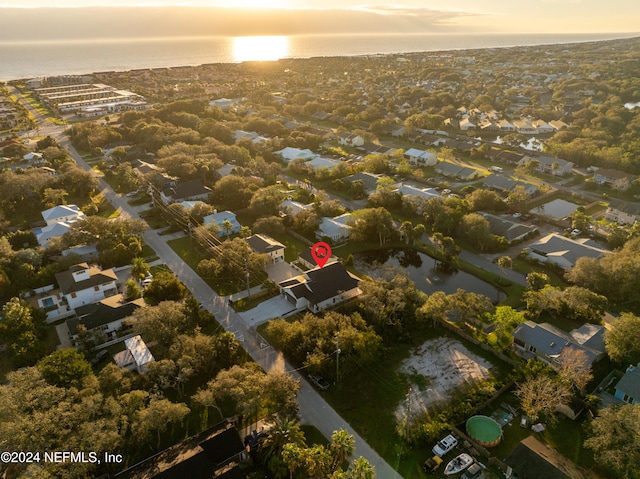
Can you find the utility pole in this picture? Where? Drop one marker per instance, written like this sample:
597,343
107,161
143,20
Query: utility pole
246,268
337,357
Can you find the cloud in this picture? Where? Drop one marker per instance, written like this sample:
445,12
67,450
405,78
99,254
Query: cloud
145,22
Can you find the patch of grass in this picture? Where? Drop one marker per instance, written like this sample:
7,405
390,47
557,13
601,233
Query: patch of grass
148,252
567,437
293,246
524,267
159,268
140,199
105,209
154,219
314,436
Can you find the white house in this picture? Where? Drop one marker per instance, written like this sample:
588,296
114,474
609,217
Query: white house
542,126
466,125
263,244
62,213
136,356
320,288
290,207
426,193
524,126
350,139
289,154
83,284
557,249
222,103
317,163
622,212
420,157
506,125
219,218
46,234
338,228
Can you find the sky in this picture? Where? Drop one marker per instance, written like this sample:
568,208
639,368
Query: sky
287,17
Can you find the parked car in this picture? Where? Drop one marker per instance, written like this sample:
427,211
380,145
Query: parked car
446,192
432,464
445,445
473,472
321,383
575,233
99,357
517,215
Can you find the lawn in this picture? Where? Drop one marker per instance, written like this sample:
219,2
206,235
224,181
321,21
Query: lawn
313,435
293,246
154,219
524,267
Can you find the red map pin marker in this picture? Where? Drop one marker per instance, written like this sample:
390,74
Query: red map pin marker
321,253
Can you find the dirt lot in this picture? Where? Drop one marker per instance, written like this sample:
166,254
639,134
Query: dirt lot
446,365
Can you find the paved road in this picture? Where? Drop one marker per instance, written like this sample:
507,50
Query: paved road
313,408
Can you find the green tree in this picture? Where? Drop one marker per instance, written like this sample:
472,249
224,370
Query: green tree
65,368
139,268
621,339
371,224
614,439
283,432
536,281
23,331
164,287
156,417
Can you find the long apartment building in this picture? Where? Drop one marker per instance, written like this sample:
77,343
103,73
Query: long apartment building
70,98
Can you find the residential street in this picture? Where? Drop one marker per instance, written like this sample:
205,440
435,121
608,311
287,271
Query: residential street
313,408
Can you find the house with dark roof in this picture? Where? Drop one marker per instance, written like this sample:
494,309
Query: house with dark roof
369,180
546,342
454,170
557,249
320,288
628,387
503,183
306,259
533,459
623,212
616,179
106,315
186,190
510,230
213,453
263,244
546,164
83,284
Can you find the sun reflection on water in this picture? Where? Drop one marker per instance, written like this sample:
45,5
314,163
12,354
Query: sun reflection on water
263,48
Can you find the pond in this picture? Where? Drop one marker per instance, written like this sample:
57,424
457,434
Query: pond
422,270
557,208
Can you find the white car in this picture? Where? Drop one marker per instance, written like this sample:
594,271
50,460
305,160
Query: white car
445,445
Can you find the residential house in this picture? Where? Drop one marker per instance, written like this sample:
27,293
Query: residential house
338,228
36,158
454,170
488,125
214,453
290,207
263,244
350,139
219,218
628,387
83,284
502,183
306,259
46,234
369,180
252,135
318,163
61,214
558,125
616,179
510,230
223,103
135,357
289,154
623,212
320,288
542,126
186,190
426,193
533,459
525,127
546,165
506,126
420,157
546,342
562,251
375,149
106,315
466,124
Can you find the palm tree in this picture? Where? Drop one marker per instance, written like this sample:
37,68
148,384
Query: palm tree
284,431
139,268
227,226
342,446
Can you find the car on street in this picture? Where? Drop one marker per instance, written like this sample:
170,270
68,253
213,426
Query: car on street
517,215
321,383
445,445
432,464
575,233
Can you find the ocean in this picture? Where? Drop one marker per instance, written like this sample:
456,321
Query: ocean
28,59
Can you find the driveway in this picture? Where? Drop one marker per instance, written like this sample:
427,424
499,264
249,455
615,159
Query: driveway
272,308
